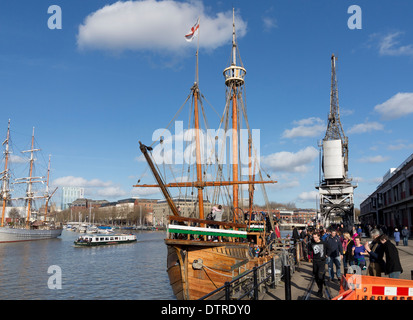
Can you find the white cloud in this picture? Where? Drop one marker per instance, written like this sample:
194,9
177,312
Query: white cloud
144,191
71,181
281,185
365,127
308,196
389,45
17,159
111,192
376,180
269,23
346,112
310,127
374,159
400,146
289,161
397,106
93,187
155,26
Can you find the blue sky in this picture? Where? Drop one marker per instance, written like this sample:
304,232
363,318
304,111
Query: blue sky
112,75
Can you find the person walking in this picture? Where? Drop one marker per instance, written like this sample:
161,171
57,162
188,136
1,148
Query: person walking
359,251
396,235
354,232
319,251
334,255
393,266
376,253
348,258
405,234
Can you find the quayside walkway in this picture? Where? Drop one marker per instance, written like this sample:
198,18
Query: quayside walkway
301,279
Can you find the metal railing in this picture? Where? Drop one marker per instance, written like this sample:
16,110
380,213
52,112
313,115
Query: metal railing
248,284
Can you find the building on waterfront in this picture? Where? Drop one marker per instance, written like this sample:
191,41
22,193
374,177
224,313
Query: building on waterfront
70,194
84,203
304,216
391,204
146,204
187,208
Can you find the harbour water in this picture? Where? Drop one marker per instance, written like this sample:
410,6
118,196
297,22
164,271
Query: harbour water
135,271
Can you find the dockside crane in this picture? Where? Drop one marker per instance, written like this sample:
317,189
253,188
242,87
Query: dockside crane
335,187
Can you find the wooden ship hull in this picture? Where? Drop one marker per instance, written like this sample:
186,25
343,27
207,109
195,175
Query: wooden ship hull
196,270
202,255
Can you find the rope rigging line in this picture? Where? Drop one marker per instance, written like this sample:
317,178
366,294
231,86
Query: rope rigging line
176,114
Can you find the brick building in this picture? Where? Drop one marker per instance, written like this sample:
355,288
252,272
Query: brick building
391,204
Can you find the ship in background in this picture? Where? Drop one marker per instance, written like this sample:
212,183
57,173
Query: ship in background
203,254
16,229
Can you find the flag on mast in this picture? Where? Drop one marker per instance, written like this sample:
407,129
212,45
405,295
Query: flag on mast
193,32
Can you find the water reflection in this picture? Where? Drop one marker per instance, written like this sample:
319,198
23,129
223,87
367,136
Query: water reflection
127,271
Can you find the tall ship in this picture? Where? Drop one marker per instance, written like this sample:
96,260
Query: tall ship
17,223
203,254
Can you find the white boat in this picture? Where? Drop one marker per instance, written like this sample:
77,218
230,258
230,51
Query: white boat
105,229
16,235
92,229
104,239
83,228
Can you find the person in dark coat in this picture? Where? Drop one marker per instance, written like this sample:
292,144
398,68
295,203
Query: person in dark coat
296,235
319,251
334,255
393,266
405,234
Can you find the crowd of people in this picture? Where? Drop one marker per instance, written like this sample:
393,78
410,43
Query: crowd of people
337,246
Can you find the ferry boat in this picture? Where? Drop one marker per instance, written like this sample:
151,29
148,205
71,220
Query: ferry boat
104,239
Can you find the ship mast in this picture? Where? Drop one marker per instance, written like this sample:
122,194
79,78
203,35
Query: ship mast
30,180
198,151
234,78
48,195
29,184
5,185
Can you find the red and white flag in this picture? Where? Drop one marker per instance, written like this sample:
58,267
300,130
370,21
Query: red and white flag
193,32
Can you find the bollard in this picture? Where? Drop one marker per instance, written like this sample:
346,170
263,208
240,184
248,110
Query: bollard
287,282
255,283
273,273
227,295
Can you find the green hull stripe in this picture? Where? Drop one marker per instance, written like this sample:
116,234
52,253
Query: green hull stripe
207,233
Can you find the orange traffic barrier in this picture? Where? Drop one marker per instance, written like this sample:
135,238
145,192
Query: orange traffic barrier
350,294
358,287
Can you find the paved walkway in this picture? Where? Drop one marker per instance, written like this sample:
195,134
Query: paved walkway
300,280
